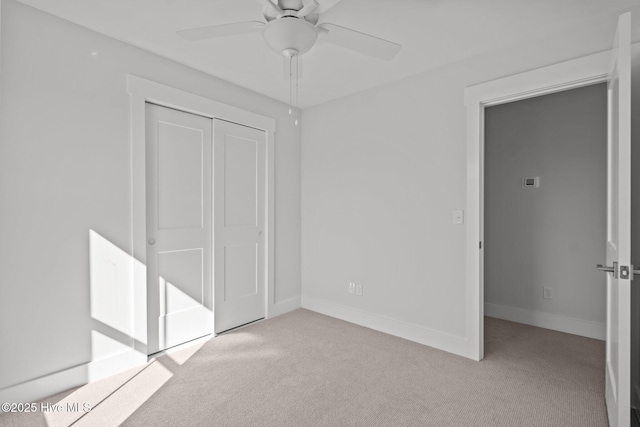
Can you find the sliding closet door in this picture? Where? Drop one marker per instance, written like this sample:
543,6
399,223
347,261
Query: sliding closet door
239,165
179,226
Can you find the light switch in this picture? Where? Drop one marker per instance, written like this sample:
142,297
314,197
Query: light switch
458,217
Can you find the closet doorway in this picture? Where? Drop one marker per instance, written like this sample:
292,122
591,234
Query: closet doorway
205,224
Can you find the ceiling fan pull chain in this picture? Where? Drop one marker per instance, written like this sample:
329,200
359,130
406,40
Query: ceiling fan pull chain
290,84
297,89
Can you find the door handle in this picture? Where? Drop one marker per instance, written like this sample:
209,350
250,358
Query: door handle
613,269
606,268
625,272
152,242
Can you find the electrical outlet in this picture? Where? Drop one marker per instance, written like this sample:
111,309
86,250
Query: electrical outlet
359,290
352,287
547,293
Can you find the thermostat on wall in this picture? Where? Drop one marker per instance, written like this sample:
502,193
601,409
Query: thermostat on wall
531,182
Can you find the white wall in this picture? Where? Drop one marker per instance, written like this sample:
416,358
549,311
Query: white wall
382,171
65,170
549,236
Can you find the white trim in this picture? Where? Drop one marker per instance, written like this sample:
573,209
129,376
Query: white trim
102,368
45,386
270,246
286,306
541,319
50,384
143,91
168,96
566,75
409,331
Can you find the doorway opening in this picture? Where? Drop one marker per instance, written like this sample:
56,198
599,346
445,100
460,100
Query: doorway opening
545,196
544,217
613,67
555,78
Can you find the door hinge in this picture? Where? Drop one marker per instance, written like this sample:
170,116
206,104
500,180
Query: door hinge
480,245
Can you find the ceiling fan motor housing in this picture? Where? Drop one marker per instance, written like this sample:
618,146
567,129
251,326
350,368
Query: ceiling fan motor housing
290,36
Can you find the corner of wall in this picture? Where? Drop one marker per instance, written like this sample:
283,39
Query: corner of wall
409,331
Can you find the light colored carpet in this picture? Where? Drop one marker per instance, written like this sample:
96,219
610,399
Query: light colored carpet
306,369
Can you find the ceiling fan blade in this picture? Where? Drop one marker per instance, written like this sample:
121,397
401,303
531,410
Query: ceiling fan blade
221,30
309,7
273,6
326,5
359,42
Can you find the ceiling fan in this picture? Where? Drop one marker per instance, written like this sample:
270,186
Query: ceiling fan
292,29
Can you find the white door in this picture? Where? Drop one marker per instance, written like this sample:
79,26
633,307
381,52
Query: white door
179,255
618,351
239,180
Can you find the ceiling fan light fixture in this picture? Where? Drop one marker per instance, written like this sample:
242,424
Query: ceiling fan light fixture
290,35
290,52
291,31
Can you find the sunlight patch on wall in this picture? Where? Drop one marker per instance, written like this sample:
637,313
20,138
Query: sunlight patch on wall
110,275
103,346
115,343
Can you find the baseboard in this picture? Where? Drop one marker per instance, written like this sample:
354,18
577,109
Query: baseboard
285,306
48,385
115,364
409,331
540,319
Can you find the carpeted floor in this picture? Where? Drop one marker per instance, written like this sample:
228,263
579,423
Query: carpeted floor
306,369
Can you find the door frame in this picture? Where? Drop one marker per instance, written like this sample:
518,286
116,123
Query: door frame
144,91
567,75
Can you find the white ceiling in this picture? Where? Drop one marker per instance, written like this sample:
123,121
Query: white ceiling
433,33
